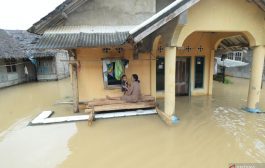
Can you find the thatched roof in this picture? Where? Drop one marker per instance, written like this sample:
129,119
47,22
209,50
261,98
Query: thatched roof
9,48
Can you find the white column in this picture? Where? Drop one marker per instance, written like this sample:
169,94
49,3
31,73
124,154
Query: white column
170,81
256,79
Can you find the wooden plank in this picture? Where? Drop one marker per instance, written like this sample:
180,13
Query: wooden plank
100,102
166,118
45,117
125,106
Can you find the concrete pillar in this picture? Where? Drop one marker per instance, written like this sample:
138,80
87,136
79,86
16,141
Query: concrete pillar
256,79
170,81
153,76
211,72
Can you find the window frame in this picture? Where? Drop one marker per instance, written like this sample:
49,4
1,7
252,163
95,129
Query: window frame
11,65
106,84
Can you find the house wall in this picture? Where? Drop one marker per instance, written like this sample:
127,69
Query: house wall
90,74
9,79
46,69
194,41
225,16
62,67
112,12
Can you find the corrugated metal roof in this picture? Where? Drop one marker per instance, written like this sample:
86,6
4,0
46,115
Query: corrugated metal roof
84,36
233,43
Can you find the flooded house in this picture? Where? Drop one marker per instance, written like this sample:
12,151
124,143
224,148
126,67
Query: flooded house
170,44
49,63
15,68
20,62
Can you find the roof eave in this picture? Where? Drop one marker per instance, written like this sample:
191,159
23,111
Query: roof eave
56,17
161,18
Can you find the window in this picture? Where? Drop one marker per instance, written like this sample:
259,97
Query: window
11,65
236,56
199,72
230,56
113,69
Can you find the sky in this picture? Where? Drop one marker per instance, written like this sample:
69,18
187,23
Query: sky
22,14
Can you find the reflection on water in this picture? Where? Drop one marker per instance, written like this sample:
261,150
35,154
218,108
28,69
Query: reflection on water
248,131
41,146
213,132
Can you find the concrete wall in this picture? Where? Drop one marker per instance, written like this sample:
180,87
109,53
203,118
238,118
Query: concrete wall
61,66
9,79
112,12
90,75
160,4
226,16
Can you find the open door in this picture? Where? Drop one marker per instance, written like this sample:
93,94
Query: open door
182,76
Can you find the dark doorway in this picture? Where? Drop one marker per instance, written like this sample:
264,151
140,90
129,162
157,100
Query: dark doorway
182,75
160,74
199,71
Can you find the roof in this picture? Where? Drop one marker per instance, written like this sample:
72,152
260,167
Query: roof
233,43
161,18
9,48
24,39
26,42
56,17
67,37
260,3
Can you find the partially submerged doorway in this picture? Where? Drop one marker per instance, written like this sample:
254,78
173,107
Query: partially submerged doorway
182,75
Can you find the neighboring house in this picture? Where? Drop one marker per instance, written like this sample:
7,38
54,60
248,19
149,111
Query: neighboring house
174,41
21,62
236,48
242,71
50,64
15,68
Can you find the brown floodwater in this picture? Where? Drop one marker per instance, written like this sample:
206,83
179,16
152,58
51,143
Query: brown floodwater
213,131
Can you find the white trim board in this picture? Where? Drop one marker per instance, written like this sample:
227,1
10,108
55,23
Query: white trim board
45,116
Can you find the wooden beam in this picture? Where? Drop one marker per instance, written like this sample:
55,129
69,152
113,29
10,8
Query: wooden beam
166,118
100,102
74,74
125,106
71,61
